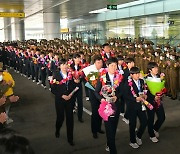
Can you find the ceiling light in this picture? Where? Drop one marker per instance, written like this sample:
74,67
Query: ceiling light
124,5
99,11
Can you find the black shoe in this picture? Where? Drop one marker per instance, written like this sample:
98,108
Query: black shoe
95,135
71,143
57,134
173,98
81,120
101,132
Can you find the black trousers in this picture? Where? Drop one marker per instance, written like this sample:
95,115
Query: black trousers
43,76
86,89
36,67
79,99
27,69
49,73
133,114
32,70
96,120
111,127
122,105
126,115
21,66
160,119
65,108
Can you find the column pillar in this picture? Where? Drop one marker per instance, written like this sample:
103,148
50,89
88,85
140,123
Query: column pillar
7,29
19,29
137,28
51,25
102,33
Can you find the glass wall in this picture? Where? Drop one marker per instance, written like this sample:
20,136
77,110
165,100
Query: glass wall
158,20
162,28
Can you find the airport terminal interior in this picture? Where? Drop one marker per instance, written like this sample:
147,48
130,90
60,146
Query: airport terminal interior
49,104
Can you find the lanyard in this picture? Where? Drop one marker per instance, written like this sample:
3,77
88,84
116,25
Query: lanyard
63,78
139,86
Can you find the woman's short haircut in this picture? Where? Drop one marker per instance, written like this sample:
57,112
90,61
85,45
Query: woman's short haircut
129,60
134,70
119,57
151,65
111,60
62,61
76,55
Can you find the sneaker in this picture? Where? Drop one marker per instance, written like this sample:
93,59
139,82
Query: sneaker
107,148
9,120
29,78
33,80
87,98
38,83
156,134
139,141
154,139
122,115
74,111
134,145
44,87
49,89
125,120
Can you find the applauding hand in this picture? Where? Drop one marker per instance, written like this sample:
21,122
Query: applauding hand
3,117
2,100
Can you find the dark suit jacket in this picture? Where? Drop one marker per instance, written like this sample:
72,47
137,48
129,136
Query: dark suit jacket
126,74
1,126
53,66
130,99
63,89
118,91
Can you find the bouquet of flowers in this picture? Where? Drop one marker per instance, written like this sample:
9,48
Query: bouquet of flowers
77,74
157,87
105,110
92,78
92,75
107,107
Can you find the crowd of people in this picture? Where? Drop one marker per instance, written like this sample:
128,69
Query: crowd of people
123,64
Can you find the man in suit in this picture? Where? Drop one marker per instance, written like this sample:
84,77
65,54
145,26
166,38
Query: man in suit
111,124
132,87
